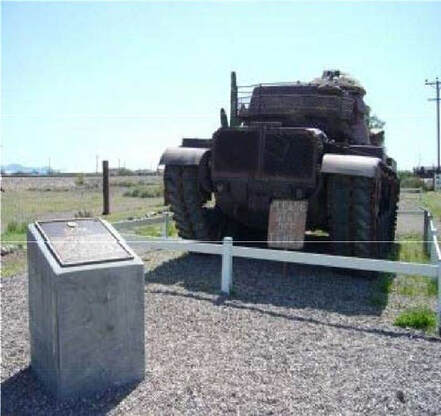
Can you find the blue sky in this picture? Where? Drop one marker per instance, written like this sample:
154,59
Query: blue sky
124,80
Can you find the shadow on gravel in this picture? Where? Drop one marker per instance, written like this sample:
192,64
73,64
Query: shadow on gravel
224,300
265,282
22,394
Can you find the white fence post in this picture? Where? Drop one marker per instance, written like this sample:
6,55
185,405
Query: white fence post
165,226
426,233
433,254
227,265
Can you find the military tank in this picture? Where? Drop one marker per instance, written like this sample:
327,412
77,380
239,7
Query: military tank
293,157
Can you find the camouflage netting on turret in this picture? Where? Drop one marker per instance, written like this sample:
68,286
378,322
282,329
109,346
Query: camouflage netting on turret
333,103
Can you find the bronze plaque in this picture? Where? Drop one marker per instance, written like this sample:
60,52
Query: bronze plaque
287,221
82,241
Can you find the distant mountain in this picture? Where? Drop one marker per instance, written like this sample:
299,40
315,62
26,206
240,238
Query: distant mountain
16,168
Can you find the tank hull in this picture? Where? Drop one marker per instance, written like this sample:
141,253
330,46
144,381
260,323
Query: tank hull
251,177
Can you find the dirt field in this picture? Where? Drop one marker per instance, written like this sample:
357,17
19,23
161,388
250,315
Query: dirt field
15,183
28,199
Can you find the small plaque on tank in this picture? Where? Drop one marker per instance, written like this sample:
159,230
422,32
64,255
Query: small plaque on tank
286,226
82,241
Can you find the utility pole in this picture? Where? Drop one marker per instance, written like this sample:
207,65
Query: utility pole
436,84
96,168
106,198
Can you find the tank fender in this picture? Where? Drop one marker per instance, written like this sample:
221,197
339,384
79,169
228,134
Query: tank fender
182,156
350,165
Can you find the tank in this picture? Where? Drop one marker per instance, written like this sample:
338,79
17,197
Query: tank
293,157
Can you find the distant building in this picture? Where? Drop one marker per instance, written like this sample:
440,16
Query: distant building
425,171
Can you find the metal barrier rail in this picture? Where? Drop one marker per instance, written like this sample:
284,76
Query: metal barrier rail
411,190
418,191
228,251
126,225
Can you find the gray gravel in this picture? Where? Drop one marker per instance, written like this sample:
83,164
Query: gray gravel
308,341
410,223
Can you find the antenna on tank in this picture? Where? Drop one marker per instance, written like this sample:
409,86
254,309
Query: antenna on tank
233,101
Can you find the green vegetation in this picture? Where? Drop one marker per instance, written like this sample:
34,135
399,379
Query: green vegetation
413,286
432,201
15,227
411,249
126,184
145,192
382,289
15,233
416,290
27,206
156,230
79,180
409,180
150,230
23,206
418,318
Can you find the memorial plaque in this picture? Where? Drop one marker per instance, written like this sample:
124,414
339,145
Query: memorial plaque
86,307
287,221
82,241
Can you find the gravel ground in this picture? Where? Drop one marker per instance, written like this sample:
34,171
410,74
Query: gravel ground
308,341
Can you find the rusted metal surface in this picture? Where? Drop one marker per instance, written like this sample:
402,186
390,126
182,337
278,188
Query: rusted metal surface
287,220
182,156
82,241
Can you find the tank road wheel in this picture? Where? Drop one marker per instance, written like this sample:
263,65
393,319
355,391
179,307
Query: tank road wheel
182,193
353,215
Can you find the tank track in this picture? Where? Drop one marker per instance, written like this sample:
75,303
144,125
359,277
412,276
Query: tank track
182,193
362,214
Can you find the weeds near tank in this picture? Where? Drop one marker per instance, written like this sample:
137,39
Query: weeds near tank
156,230
382,289
414,286
432,201
149,231
413,290
411,250
418,318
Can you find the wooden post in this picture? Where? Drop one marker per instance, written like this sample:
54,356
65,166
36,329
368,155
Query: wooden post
106,200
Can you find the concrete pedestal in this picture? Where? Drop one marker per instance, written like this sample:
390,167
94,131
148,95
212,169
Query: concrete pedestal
86,320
